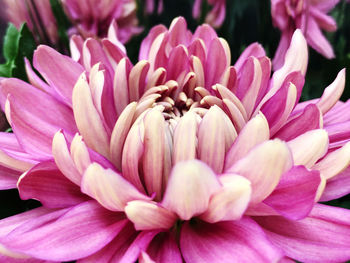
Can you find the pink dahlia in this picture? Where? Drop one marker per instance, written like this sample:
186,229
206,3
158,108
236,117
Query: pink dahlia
92,18
37,14
217,14
308,15
179,158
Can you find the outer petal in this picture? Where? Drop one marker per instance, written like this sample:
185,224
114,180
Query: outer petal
309,147
232,241
294,196
65,237
61,72
263,166
337,187
321,237
190,186
109,188
8,178
164,249
47,184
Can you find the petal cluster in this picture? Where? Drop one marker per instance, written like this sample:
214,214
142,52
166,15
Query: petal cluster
309,16
180,157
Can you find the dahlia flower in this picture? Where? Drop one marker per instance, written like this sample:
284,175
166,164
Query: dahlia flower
179,158
308,15
93,17
217,14
37,14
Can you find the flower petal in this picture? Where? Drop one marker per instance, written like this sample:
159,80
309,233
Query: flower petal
230,202
309,147
271,159
87,118
294,196
44,182
189,188
65,236
334,162
61,72
321,237
149,215
232,241
254,132
109,188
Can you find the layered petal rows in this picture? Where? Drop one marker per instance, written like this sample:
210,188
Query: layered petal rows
181,157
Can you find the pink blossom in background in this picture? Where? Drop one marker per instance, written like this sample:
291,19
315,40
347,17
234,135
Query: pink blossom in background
93,17
308,15
89,18
150,6
217,14
37,14
181,157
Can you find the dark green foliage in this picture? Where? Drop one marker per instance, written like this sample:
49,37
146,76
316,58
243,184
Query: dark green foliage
17,46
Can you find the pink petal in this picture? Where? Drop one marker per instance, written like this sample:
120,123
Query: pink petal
334,163
65,236
138,245
254,50
61,72
317,40
332,93
309,119
254,132
321,237
295,60
115,250
185,138
119,133
164,248
231,201
153,157
189,188
63,158
137,78
232,241
44,182
294,196
211,139
8,178
88,119
337,187
271,159
309,147
109,188
148,41
149,215
278,108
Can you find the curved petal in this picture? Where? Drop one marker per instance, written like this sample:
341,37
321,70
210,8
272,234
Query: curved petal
77,232
230,202
149,215
109,188
61,72
189,188
294,196
271,159
232,241
44,182
321,237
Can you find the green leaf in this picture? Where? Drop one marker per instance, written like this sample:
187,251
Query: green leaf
17,46
11,42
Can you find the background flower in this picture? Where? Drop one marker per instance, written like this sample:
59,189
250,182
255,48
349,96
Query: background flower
308,15
180,156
